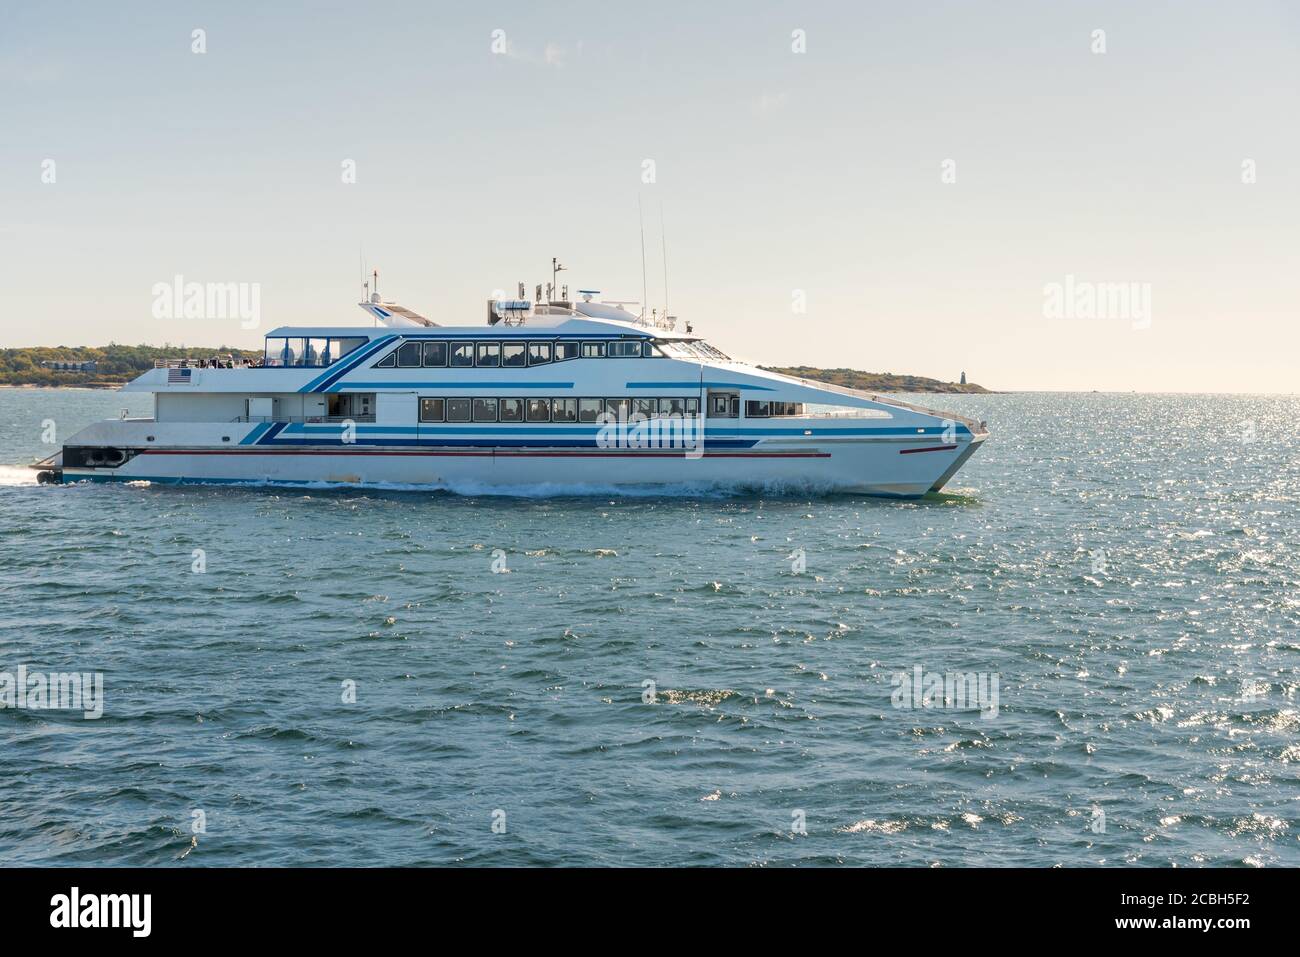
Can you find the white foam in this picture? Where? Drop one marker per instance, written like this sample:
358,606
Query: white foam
17,475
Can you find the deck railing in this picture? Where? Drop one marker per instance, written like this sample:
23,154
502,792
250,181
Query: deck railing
307,419
225,362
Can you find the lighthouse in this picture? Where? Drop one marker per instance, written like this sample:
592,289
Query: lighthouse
963,378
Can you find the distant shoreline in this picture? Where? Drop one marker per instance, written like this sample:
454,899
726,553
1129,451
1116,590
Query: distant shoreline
115,365
880,381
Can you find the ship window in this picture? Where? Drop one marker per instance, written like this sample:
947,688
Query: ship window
589,409
692,406
672,406
387,362
485,410
564,410
489,353
458,410
724,406
566,350
315,351
539,353
431,410
512,410
646,407
759,410
620,408
291,352
593,350
539,410
648,350
408,355
512,354
338,348
435,353
462,354
624,350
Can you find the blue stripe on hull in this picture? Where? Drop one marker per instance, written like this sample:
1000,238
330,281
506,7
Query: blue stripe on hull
482,443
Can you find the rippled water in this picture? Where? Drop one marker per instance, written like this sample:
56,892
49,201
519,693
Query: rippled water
1125,566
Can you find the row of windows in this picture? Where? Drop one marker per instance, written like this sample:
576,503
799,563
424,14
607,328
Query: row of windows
551,410
765,408
727,406
309,350
463,355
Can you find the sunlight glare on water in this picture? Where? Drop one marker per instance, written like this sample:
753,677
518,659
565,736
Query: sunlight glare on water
653,679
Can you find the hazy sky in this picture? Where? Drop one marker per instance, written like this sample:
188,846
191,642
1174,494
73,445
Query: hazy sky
782,175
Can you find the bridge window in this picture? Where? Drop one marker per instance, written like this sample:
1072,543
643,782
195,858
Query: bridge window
485,410
311,351
314,352
512,354
458,410
539,410
435,354
589,409
408,355
539,353
512,410
593,350
341,347
564,410
431,410
566,350
489,353
624,350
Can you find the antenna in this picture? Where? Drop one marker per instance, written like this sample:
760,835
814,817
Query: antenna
664,239
556,269
641,219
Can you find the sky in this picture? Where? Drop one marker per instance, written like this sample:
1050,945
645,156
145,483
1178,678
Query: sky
924,188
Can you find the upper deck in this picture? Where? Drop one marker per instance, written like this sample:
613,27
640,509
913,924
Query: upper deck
552,349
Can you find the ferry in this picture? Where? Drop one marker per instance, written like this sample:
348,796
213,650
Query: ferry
550,391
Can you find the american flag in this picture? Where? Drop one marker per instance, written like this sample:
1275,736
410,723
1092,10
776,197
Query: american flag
181,376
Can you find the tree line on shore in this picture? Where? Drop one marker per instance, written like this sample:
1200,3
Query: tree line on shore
114,363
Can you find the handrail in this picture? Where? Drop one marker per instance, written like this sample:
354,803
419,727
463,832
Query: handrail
186,363
306,419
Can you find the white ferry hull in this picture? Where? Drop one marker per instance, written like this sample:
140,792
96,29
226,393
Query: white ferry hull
890,468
